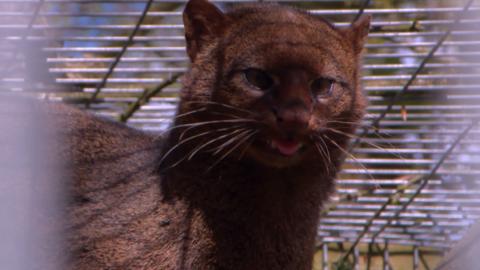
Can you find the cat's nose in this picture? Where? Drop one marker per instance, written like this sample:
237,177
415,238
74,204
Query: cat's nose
291,119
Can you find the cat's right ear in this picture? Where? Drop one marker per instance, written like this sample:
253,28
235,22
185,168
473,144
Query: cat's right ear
358,32
203,23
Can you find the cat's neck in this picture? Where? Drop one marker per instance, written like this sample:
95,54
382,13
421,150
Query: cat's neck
253,213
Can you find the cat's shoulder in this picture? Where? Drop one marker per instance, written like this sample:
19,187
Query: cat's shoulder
70,118
89,135
77,133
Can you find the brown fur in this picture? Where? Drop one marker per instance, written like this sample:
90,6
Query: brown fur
141,203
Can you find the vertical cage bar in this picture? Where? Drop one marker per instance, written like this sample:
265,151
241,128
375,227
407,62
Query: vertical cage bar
324,256
369,256
416,258
24,36
32,19
424,261
386,257
361,10
356,259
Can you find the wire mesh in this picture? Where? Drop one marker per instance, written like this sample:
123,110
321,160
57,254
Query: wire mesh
413,177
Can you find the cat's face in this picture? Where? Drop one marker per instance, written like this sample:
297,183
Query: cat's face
291,76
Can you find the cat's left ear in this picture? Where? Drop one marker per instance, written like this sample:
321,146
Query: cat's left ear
358,32
203,23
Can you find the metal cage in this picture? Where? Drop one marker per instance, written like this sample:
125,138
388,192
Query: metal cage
411,185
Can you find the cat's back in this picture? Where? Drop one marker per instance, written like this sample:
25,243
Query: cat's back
92,138
117,217
80,134
113,214
85,143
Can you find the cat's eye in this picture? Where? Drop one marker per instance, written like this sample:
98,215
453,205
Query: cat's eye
258,78
322,87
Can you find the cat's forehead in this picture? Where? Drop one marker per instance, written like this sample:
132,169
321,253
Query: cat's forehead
272,26
272,35
249,14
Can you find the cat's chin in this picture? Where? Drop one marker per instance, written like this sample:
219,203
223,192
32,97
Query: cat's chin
277,154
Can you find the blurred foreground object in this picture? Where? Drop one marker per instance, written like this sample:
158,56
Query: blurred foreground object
465,254
30,187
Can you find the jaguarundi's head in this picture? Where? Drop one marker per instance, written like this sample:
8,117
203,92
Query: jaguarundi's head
284,82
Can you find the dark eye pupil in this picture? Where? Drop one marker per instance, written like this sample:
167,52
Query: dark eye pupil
258,78
322,86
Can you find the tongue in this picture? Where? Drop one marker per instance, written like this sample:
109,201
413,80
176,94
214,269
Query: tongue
287,148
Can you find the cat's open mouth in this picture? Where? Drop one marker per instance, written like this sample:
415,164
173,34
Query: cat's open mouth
285,147
278,152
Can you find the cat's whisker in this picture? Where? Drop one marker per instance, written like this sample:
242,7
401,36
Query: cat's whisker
367,142
349,135
203,109
174,127
375,133
186,131
351,156
240,142
323,156
190,155
177,117
244,120
360,125
227,114
383,138
181,142
364,126
219,148
196,124
357,124
221,104
326,148
199,124
194,112
247,145
196,150
189,113
327,152
191,126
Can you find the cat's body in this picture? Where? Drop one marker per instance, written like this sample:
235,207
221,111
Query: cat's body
239,181
125,216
